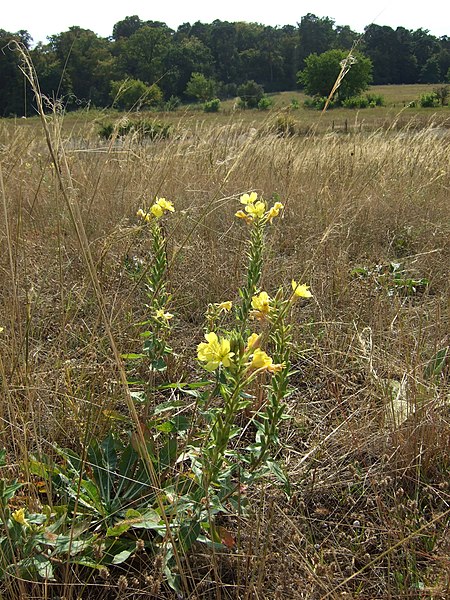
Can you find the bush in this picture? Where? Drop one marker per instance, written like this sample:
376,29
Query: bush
212,106
295,104
442,92
356,102
172,104
143,128
318,103
250,93
284,125
134,94
375,99
201,87
265,103
429,100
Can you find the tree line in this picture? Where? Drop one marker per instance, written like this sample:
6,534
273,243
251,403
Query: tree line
83,68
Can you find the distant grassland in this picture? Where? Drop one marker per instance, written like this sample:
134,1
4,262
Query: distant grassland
396,113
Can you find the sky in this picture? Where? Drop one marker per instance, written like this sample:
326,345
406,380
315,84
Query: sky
42,19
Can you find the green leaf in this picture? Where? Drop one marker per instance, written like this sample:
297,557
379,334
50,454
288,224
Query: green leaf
118,529
121,557
168,453
437,363
167,406
132,356
181,423
139,396
276,470
9,491
158,365
188,534
165,427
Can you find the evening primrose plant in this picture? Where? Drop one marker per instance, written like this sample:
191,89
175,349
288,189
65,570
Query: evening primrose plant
215,434
249,381
158,322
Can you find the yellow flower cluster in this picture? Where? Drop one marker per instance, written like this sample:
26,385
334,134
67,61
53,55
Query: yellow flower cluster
214,352
157,209
256,209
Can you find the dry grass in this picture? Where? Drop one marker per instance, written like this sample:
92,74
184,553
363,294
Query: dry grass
369,517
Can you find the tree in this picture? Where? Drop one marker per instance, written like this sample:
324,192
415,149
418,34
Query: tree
143,54
126,27
316,35
186,55
79,53
322,70
201,87
431,72
15,93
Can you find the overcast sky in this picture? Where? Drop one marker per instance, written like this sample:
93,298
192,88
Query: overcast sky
41,19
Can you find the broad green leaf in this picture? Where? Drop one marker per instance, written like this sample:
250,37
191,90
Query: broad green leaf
118,529
121,557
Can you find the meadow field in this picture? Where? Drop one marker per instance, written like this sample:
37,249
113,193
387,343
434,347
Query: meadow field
102,313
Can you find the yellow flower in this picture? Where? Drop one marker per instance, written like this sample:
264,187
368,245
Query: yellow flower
301,291
261,305
163,316
242,215
165,204
224,306
156,210
253,342
248,198
274,211
261,360
19,517
257,209
215,352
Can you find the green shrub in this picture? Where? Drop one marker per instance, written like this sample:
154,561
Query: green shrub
143,128
356,102
375,99
265,103
172,104
429,100
318,103
212,105
250,93
201,87
295,104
